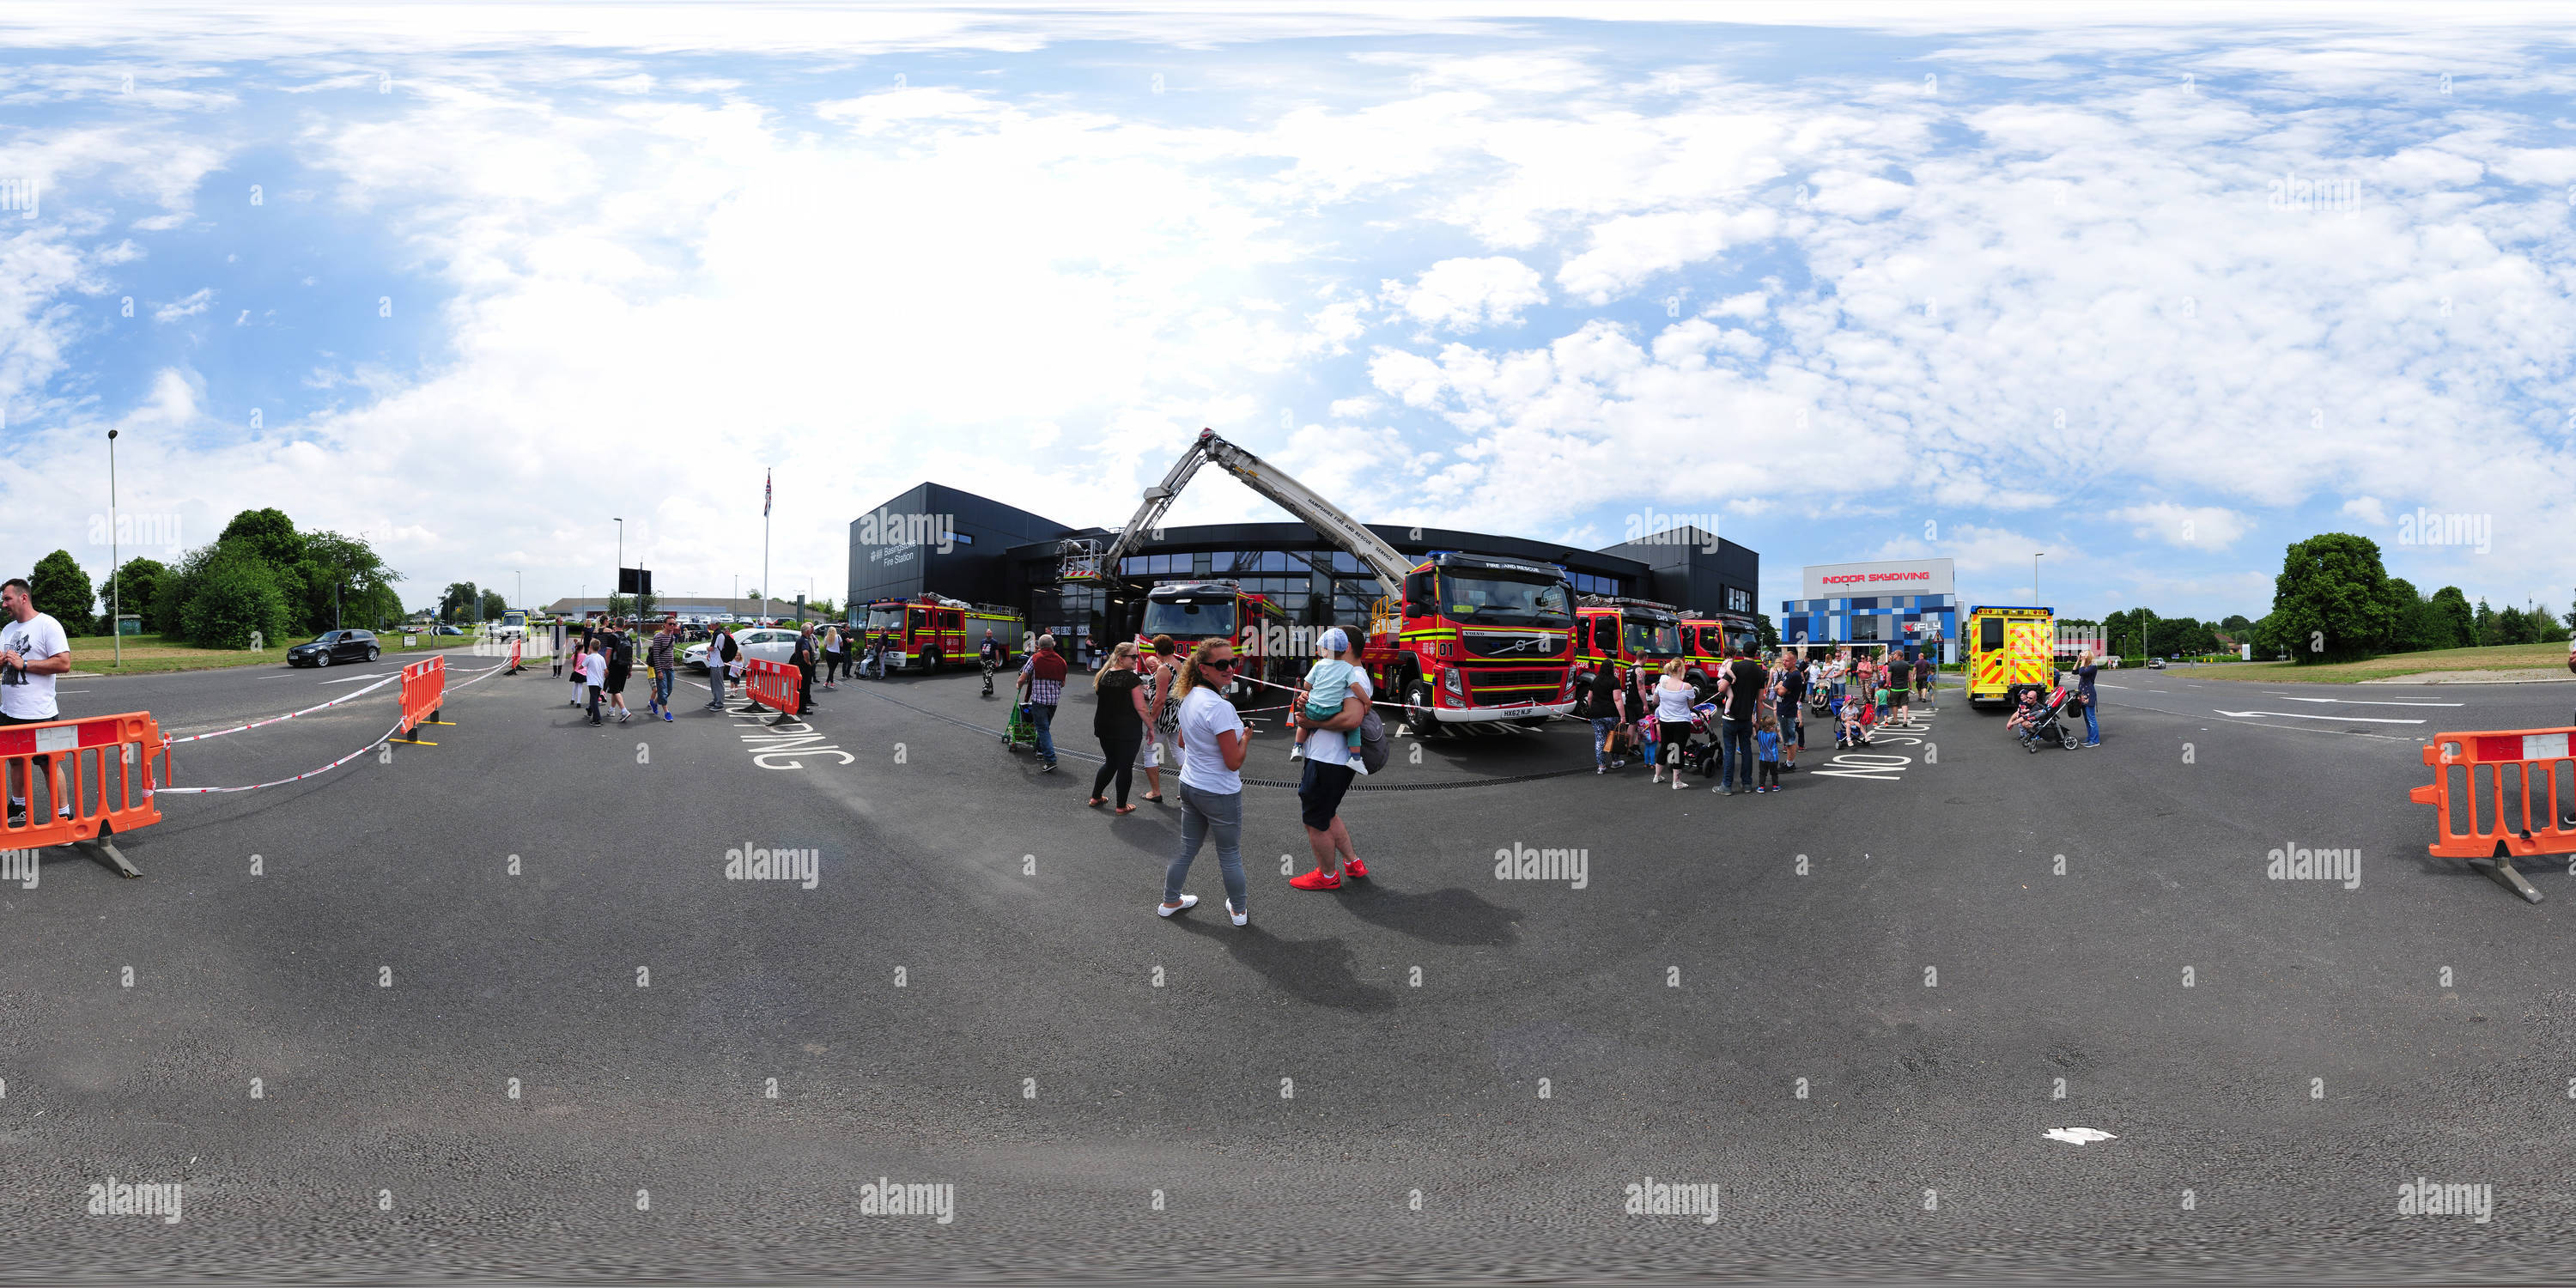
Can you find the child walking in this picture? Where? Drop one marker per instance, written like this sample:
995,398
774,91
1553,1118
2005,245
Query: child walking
1766,740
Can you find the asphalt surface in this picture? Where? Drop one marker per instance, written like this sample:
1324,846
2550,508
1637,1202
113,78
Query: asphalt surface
967,997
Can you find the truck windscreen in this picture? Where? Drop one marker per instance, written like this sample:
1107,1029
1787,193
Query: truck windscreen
1187,619
885,619
1505,600
1650,637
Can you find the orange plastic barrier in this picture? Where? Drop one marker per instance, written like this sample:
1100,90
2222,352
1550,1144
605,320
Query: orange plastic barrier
515,644
424,684
100,767
2474,818
773,685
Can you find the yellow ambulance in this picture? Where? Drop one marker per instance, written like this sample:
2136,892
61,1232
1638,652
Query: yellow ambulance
2009,648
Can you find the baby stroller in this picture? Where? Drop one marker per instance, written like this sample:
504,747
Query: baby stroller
1022,728
1700,751
2056,721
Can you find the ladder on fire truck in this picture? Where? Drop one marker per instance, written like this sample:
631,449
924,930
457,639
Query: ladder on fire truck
1088,560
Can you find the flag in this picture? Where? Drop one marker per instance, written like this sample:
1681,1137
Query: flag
767,488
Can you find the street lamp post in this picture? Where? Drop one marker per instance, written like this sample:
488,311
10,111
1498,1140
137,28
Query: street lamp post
2034,579
115,599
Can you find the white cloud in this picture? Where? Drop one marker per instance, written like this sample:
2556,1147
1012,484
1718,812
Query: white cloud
2367,509
189,305
1466,294
2204,527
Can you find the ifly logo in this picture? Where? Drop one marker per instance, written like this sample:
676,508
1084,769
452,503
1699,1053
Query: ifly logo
18,195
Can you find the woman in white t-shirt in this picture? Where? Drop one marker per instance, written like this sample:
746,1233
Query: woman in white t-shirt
1212,750
1673,697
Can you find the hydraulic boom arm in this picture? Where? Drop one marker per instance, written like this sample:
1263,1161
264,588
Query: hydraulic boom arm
1269,480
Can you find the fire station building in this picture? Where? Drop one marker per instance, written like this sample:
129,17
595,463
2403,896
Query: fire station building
944,540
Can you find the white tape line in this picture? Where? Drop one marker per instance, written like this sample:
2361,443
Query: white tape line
200,791
255,724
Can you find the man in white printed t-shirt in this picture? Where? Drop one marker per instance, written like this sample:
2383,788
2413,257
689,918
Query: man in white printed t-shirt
33,650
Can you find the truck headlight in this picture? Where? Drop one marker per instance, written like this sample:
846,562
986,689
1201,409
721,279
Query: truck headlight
1449,681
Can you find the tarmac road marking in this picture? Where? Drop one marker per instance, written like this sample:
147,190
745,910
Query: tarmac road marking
2295,715
348,679
2361,702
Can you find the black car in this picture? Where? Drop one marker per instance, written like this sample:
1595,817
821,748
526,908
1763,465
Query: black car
335,646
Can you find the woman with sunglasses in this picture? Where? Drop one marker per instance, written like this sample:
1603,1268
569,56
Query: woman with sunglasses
1212,750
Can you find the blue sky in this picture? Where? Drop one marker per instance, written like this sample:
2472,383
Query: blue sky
1850,282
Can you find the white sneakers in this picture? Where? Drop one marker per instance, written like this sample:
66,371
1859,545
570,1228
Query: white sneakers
1297,751
1240,916
1188,901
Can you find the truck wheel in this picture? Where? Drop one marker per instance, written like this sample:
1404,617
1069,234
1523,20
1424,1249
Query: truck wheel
929,661
1417,710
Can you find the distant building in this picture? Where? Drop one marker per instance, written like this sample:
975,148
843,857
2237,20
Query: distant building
1906,605
711,608
941,540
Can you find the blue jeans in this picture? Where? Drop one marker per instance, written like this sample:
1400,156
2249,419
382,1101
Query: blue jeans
2092,726
1735,749
1201,813
1601,728
662,687
1045,717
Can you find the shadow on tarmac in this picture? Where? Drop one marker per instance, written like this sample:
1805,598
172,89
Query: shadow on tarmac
1315,970
1455,916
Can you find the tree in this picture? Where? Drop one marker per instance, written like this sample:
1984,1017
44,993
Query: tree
2236,625
459,601
2270,642
2457,623
60,588
2545,628
227,592
1766,637
2486,624
2332,598
340,578
494,604
2513,627
136,586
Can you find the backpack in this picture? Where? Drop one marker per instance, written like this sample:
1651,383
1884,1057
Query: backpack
730,651
620,652
1373,749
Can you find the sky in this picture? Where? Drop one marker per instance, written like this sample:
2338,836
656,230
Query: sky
2153,291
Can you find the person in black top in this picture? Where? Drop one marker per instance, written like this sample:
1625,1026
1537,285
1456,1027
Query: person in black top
1604,697
2085,669
1792,710
1742,696
1118,720
1900,687
803,657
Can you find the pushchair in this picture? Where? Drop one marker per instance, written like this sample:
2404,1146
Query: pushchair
1700,751
2056,721
1021,730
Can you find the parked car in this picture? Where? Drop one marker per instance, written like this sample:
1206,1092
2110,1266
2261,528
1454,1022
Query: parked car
335,646
766,643
445,630
2155,664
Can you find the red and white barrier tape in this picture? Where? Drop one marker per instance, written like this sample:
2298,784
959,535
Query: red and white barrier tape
289,715
484,674
203,791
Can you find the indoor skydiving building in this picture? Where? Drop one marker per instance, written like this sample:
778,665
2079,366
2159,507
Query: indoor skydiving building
945,541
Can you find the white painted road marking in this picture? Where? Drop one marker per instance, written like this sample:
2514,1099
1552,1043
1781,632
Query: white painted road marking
2294,715
2358,702
347,679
